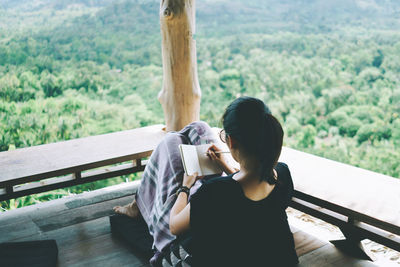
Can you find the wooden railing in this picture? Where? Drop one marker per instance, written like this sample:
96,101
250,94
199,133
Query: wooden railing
355,226
363,204
38,169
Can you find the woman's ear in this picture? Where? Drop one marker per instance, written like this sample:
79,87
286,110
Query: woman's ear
231,142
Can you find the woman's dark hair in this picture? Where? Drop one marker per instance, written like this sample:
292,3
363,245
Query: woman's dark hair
258,132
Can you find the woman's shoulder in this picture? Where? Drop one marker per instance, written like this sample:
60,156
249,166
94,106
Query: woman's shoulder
285,183
283,171
214,186
282,165
217,181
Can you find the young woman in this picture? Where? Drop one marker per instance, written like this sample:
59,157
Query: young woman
240,219
236,220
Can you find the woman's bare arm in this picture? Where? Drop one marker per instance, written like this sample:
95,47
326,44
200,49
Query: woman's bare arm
179,220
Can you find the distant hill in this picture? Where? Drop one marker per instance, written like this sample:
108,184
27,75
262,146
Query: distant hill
329,69
307,16
254,15
35,5
127,31
124,32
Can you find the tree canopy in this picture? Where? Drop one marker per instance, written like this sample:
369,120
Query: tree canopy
329,70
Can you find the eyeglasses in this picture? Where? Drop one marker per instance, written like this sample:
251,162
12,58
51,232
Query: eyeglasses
222,135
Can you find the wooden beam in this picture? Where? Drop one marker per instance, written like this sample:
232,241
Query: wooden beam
362,229
78,175
71,180
345,185
180,94
348,212
62,158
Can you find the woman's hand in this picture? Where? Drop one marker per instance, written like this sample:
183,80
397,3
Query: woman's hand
189,180
219,159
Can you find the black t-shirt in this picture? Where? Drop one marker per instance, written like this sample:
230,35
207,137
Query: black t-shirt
228,229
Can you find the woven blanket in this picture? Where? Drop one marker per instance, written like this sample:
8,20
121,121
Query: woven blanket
162,177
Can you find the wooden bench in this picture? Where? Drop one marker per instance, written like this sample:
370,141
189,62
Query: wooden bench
337,193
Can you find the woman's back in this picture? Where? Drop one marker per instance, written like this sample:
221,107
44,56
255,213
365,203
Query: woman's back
229,229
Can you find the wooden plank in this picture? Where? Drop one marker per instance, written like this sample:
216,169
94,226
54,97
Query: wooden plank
17,228
70,235
104,194
363,230
81,214
328,256
89,244
348,212
9,189
34,237
293,229
54,207
70,180
345,185
56,159
305,243
382,237
103,250
316,211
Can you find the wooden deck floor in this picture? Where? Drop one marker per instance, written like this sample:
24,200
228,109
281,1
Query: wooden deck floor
81,228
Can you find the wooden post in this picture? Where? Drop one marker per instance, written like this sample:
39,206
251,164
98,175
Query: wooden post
180,94
78,175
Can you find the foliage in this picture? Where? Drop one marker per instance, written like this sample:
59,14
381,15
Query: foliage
329,70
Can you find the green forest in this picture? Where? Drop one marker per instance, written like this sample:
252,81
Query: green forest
329,70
